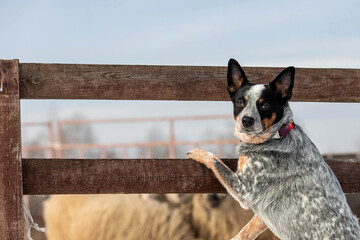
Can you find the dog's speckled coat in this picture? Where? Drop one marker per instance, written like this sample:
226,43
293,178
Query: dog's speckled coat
284,181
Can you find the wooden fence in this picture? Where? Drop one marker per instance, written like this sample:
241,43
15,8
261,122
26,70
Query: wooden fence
196,83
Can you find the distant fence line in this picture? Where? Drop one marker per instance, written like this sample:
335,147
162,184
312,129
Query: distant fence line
55,145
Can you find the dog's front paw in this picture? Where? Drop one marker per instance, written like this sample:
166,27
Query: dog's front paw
201,156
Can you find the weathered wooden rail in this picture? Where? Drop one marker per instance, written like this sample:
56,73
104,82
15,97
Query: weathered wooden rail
91,176
190,83
186,83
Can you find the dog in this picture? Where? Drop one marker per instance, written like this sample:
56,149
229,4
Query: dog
280,175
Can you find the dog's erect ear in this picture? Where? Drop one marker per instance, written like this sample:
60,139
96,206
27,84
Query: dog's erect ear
235,76
284,83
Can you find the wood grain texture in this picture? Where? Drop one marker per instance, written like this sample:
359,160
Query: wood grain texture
196,83
11,212
89,176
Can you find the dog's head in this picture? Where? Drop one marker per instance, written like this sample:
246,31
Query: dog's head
258,108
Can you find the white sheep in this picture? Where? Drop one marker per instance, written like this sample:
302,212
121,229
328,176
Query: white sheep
198,216
220,217
112,217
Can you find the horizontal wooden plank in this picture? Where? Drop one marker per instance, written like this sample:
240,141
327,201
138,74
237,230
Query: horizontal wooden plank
89,176
196,83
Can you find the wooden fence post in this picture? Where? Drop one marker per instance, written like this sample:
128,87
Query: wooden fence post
12,223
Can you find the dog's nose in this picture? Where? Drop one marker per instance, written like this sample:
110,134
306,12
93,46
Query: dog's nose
247,121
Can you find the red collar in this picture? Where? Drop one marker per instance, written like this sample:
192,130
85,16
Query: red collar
284,130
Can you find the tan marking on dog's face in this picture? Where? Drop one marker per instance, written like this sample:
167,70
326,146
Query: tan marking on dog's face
261,100
268,122
250,138
245,98
242,163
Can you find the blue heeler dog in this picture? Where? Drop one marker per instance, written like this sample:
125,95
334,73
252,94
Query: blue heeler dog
281,175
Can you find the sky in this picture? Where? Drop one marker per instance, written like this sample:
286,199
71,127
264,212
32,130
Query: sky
256,33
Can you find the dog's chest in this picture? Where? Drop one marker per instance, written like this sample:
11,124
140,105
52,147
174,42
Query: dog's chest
253,167
257,174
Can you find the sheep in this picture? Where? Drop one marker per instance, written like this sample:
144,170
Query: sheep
213,216
106,217
217,217
198,216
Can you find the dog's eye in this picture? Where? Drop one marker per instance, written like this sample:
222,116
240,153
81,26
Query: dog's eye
240,102
265,107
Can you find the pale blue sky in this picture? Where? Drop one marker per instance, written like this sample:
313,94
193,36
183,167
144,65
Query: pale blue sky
256,33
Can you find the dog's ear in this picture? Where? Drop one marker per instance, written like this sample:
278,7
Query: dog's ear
284,83
236,77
